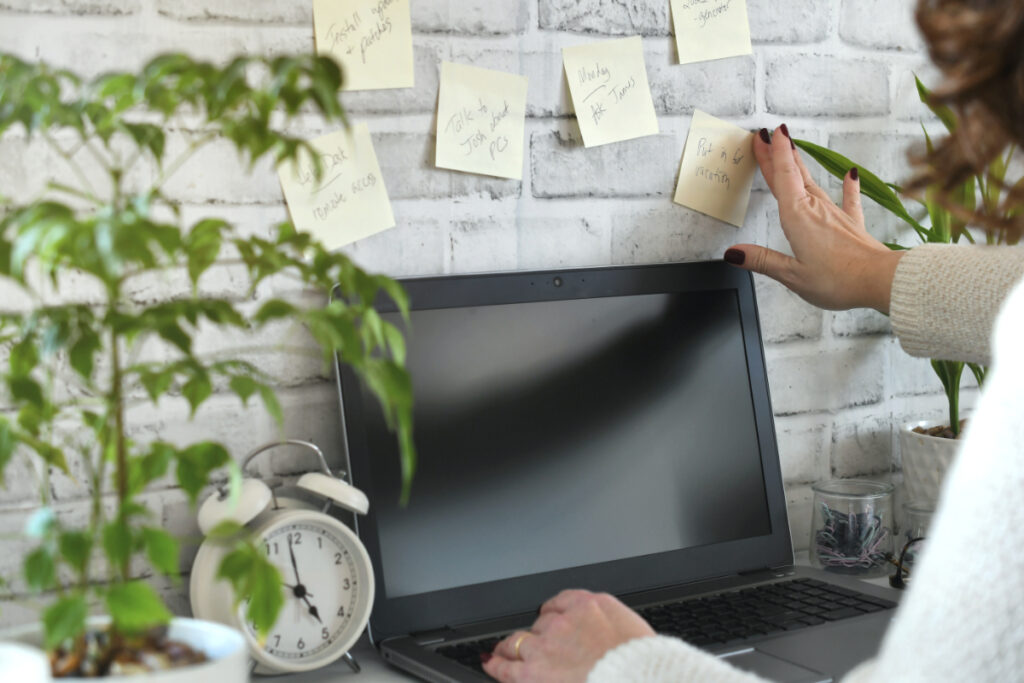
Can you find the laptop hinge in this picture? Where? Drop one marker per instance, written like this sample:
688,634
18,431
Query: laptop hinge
433,636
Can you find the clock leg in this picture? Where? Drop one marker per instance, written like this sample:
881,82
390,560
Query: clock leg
352,663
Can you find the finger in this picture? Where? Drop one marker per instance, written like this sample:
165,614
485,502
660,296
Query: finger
518,640
504,670
565,600
851,197
809,184
787,181
763,154
774,264
543,623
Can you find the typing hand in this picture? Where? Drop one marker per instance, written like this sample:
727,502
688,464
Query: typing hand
573,631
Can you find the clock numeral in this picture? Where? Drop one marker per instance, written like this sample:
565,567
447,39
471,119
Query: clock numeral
272,546
277,641
346,584
301,644
324,634
319,542
295,538
337,558
341,611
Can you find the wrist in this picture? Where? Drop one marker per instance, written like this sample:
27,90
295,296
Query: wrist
881,272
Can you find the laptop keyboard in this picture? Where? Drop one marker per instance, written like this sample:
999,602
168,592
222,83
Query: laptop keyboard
730,617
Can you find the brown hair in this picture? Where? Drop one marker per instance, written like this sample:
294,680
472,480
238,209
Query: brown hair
979,47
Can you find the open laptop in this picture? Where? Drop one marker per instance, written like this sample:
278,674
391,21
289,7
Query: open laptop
608,429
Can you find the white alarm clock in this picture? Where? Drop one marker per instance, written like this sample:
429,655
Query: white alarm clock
327,579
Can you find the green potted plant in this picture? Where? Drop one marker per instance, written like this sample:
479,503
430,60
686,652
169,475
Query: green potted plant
70,369
927,447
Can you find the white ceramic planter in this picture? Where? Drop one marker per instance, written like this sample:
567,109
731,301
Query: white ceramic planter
926,460
229,658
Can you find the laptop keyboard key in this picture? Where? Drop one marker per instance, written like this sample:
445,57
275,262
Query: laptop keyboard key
843,613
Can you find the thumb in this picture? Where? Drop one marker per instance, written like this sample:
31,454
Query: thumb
759,259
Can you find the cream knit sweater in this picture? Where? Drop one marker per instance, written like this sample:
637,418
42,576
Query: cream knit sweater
963,617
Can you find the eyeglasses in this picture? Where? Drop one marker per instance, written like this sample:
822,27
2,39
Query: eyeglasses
902,575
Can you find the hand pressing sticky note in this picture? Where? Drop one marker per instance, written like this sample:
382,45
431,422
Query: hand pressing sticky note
481,116
608,84
717,170
349,201
371,39
710,29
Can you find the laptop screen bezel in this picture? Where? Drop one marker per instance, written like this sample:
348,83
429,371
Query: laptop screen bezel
467,604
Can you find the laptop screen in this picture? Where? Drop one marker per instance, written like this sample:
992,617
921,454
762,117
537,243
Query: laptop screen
607,428
576,431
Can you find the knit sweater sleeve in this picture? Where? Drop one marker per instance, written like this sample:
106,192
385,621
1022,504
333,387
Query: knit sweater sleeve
945,298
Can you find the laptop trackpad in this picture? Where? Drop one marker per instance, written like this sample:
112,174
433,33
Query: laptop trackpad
773,668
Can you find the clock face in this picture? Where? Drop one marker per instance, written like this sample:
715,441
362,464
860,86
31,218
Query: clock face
327,590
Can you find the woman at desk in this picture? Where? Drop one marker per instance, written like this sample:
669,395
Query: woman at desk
963,618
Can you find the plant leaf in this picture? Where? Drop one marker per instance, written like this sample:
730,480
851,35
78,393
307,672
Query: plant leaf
40,570
135,607
64,620
161,549
75,547
257,581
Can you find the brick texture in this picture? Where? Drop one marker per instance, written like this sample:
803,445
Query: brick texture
610,17
811,85
252,11
882,24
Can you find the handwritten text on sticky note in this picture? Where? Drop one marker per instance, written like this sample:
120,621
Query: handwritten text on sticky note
608,84
372,39
349,202
481,117
717,170
710,29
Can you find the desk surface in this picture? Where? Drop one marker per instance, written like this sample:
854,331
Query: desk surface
375,670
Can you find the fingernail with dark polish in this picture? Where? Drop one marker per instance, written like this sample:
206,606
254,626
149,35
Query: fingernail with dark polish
485,657
764,136
785,131
735,257
854,174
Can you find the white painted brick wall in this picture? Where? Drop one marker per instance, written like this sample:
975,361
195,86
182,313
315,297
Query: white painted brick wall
839,73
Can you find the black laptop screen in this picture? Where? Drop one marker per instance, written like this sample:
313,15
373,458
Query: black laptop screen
557,434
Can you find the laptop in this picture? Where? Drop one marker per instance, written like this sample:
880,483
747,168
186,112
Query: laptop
608,429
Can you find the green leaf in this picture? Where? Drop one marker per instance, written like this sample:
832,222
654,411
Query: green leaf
944,113
64,620
157,383
7,445
117,542
40,570
24,357
83,352
244,387
870,185
75,547
150,467
135,607
26,389
203,245
195,464
274,309
161,549
255,579
271,403
197,389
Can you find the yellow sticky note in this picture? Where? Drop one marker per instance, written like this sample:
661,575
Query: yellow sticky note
372,39
481,120
710,29
608,84
349,202
717,170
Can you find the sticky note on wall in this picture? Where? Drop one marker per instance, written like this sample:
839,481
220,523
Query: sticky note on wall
710,29
372,39
481,119
349,202
717,170
608,84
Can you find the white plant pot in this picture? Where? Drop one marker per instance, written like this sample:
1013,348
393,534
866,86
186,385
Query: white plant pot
224,646
926,459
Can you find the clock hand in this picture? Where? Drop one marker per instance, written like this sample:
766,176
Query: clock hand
312,610
294,565
292,588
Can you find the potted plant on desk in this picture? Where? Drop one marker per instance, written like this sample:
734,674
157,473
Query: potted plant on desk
928,447
72,369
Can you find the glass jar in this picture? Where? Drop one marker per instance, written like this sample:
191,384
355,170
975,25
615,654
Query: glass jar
852,526
917,516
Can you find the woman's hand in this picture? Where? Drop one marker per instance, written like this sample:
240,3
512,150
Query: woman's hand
836,264
574,630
